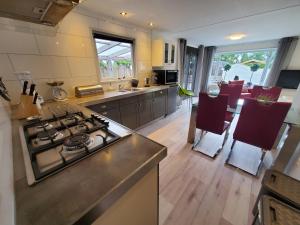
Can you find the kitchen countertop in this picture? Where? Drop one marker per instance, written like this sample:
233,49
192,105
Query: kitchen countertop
93,184
114,95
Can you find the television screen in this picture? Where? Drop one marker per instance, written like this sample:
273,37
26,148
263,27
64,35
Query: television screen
289,79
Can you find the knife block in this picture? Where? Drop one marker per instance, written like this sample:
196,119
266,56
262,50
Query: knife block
25,108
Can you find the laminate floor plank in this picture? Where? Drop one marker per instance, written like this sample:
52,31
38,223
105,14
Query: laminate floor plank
198,190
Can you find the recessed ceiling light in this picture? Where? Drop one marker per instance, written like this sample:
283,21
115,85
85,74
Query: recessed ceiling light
236,36
151,24
123,13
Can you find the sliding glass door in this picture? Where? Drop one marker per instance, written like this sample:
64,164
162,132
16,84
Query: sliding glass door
250,66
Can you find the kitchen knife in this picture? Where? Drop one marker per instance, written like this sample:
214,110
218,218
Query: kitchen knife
32,87
35,97
24,87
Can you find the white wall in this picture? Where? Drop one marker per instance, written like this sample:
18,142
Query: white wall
66,52
6,167
295,60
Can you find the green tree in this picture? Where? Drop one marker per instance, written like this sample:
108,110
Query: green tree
253,68
227,67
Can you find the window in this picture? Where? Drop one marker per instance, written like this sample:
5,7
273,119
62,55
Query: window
251,66
115,56
190,67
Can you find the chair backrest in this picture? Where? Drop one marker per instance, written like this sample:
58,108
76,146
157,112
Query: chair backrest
211,113
271,94
233,91
259,123
241,82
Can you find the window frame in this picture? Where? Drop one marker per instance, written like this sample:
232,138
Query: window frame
112,37
264,74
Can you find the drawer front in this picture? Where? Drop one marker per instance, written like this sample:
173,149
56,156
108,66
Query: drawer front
104,106
145,96
129,100
113,114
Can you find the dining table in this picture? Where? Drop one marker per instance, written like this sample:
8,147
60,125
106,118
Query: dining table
289,134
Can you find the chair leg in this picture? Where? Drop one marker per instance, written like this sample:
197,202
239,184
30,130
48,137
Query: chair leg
233,143
261,161
225,137
231,150
200,138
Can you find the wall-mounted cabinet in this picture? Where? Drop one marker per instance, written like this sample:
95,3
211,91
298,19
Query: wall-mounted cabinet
163,53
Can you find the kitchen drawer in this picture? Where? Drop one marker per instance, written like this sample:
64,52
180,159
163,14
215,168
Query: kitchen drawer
104,106
145,96
113,114
129,100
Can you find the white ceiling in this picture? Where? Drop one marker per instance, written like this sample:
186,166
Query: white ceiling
208,21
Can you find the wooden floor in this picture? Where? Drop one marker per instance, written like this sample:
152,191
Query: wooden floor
195,189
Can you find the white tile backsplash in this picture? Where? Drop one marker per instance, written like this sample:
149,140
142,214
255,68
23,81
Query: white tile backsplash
65,52
39,66
17,42
6,72
77,24
60,66
82,66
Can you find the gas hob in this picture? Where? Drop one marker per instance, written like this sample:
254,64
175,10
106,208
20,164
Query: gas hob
50,145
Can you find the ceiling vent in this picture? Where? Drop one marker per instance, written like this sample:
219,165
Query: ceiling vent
48,12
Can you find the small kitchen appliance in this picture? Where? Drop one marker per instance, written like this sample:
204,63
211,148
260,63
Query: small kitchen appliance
81,91
58,93
164,77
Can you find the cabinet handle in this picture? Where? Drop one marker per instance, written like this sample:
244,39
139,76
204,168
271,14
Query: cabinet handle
161,92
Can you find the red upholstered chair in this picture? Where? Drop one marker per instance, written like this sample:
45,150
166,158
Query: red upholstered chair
211,116
259,124
272,93
234,92
241,82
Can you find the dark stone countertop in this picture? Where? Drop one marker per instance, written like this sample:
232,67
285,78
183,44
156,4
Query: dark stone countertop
92,184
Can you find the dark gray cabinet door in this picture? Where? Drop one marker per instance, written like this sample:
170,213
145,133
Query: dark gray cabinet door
159,104
113,114
129,115
172,99
145,109
109,109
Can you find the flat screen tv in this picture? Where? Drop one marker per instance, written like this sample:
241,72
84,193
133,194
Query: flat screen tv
289,79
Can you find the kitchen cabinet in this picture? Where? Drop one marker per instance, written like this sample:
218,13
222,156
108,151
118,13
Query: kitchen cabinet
172,99
129,112
136,111
145,108
109,109
163,53
159,104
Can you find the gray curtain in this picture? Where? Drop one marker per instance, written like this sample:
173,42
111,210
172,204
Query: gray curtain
208,55
284,52
199,69
182,53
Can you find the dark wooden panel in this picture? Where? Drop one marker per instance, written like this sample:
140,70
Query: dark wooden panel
159,104
145,111
129,115
104,106
172,99
113,114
